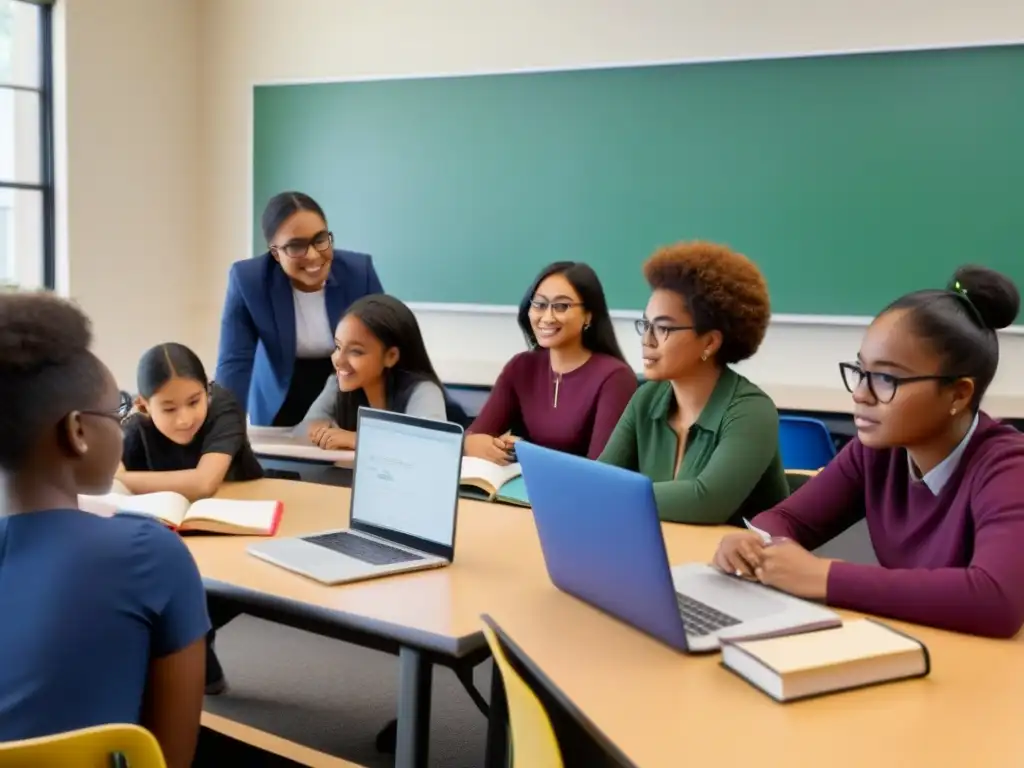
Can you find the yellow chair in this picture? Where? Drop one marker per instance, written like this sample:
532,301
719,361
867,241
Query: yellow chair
534,744
97,747
797,477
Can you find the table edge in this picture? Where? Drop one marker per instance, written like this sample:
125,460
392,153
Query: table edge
442,645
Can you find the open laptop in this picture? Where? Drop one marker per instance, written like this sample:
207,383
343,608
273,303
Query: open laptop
405,493
602,542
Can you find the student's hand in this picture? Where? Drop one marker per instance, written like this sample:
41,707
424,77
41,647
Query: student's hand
487,447
316,431
739,554
334,439
787,566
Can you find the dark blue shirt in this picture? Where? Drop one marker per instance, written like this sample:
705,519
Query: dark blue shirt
86,603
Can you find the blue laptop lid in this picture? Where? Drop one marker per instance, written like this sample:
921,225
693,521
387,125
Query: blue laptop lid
601,537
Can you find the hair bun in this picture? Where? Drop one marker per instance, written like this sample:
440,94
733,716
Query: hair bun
39,329
992,293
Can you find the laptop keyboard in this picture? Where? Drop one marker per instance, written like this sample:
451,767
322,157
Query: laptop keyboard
368,551
700,618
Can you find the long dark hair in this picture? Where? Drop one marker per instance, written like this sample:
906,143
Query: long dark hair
600,336
960,323
394,324
164,362
283,206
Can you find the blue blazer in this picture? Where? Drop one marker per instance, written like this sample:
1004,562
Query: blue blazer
256,358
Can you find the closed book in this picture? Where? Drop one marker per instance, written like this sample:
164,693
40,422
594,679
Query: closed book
862,652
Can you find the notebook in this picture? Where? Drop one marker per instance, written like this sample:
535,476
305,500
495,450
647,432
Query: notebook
860,653
246,518
485,480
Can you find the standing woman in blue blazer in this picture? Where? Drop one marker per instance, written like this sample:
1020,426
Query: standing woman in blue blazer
277,330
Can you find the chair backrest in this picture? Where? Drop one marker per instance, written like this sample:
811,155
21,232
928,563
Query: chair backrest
103,746
796,478
534,744
805,443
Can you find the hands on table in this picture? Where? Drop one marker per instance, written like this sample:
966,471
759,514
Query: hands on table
781,563
329,437
499,450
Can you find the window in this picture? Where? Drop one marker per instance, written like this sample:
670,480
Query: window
26,144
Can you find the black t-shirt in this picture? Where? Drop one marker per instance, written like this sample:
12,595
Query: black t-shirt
146,449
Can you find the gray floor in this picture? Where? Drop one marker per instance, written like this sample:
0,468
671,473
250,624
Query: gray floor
335,697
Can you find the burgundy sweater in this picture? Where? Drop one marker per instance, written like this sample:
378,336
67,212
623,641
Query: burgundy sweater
590,401
954,561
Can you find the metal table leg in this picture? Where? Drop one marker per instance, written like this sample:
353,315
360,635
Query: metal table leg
415,675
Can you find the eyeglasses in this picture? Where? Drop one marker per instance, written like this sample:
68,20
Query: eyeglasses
660,331
883,386
122,412
297,249
558,308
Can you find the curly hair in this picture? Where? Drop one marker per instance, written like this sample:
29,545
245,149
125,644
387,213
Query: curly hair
723,290
46,369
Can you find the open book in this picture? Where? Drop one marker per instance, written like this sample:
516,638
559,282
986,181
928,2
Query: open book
859,653
247,518
292,443
482,479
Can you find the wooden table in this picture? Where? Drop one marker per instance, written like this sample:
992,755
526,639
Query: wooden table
426,618
662,708
659,707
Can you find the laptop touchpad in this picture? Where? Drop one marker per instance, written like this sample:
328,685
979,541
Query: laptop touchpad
736,598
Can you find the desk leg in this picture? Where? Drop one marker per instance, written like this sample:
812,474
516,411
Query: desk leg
497,755
415,675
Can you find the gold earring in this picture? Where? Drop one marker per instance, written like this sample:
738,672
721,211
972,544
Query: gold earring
952,411
704,356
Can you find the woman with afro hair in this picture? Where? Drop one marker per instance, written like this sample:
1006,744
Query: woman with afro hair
706,436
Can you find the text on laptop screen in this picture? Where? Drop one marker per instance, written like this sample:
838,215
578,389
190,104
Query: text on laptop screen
407,479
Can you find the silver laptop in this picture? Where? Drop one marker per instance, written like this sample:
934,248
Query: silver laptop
602,542
405,493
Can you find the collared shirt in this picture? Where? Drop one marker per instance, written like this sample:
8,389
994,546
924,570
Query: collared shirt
939,475
731,464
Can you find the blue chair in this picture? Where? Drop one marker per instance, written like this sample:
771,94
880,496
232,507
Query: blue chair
805,443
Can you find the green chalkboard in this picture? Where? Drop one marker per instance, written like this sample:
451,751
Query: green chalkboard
848,179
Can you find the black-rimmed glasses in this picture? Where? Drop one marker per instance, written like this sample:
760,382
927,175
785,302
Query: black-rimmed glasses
882,386
122,412
296,249
660,331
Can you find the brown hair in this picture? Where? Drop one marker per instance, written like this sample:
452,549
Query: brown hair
723,290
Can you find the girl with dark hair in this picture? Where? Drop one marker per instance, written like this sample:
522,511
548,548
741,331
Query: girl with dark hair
568,391
104,617
380,361
938,480
189,436
186,435
276,329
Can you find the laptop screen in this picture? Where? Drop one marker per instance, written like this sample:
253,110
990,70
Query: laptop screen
406,475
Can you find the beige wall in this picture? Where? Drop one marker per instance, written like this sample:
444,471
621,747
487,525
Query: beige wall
157,196
128,170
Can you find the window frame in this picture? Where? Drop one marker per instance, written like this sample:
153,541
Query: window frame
45,185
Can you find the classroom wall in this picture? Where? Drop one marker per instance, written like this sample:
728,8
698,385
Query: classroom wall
127,163
153,118
248,41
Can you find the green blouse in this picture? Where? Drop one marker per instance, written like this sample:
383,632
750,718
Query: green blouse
731,468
